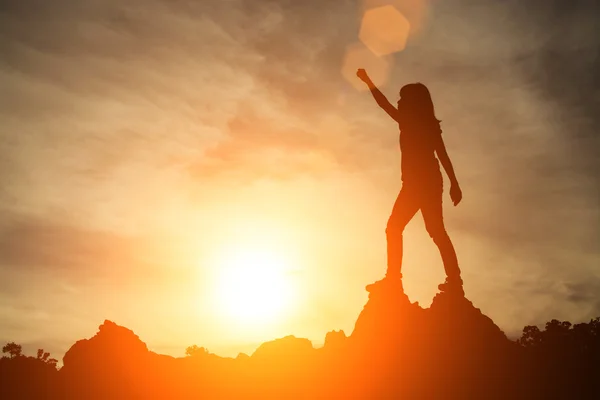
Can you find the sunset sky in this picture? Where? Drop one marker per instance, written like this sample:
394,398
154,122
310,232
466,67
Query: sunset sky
147,147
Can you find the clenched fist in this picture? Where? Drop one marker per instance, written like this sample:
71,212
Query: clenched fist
362,74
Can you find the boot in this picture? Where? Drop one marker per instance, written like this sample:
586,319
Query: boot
452,286
387,282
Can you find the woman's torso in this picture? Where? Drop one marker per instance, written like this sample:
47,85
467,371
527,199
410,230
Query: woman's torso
420,167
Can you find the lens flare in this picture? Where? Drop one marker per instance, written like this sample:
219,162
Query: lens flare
384,30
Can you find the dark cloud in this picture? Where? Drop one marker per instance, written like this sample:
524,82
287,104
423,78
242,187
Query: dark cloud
56,251
28,243
566,67
585,293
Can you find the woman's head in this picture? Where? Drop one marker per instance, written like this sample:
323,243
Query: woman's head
415,104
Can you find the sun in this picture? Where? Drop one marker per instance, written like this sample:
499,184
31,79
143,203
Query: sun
253,285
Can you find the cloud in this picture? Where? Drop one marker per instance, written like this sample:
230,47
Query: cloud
163,75
30,244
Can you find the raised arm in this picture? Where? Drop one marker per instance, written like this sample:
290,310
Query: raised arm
379,97
440,149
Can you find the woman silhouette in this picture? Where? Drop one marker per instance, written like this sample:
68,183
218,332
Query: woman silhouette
420,141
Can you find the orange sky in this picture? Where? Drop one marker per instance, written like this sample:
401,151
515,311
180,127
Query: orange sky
142,143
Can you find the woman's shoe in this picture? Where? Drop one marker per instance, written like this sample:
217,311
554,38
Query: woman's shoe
454,286
388,282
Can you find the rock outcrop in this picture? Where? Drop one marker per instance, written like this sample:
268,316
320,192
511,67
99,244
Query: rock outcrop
397,349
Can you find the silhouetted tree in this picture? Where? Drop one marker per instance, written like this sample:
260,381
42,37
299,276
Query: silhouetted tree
13,349
195,351
583,337
532,336
27,377
45,357
16,351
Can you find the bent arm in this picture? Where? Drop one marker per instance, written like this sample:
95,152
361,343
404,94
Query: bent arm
382,101
442,154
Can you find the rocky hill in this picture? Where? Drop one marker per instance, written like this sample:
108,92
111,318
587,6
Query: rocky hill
396,350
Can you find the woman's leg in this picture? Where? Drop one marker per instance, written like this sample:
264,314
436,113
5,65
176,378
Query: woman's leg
434,223
405,207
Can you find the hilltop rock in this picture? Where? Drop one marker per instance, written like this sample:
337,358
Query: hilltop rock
386,319
289,347
407,347
335,340
389,319
457,318
111,343
108,361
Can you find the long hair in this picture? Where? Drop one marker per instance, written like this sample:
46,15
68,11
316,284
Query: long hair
416,108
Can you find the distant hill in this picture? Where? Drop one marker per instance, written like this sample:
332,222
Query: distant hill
396,350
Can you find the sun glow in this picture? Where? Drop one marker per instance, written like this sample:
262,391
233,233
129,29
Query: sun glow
253,286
